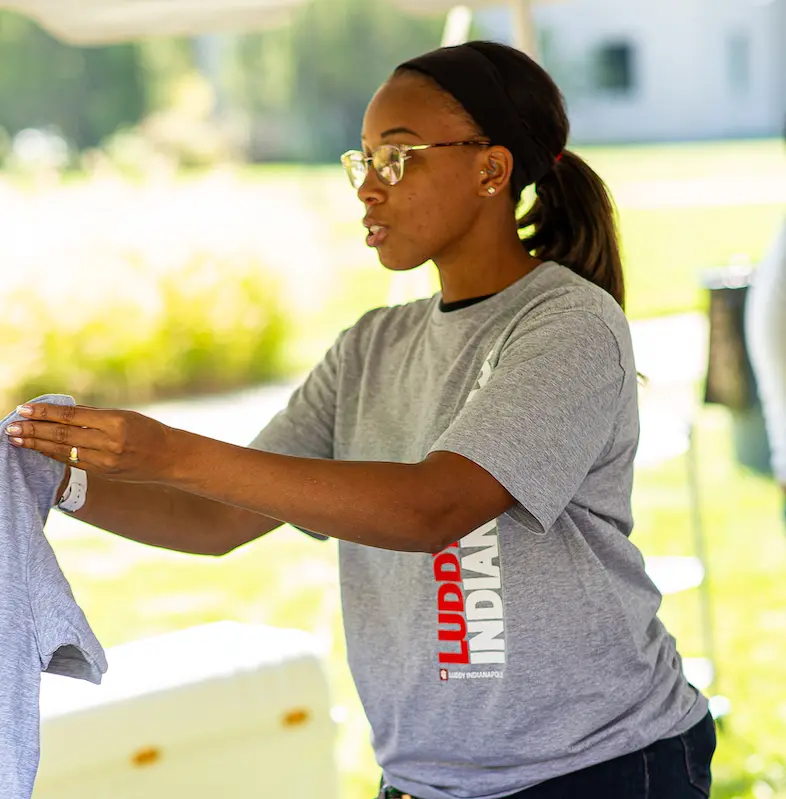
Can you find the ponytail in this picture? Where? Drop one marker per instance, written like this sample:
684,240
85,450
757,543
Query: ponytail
573,222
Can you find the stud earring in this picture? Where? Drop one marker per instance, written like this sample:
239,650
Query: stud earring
482,171
492,190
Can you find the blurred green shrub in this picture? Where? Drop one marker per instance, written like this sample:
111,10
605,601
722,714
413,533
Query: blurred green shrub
137,333
85,92
186,133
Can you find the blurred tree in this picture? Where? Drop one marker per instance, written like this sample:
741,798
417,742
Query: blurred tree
85,92
297,93
165,62
320,74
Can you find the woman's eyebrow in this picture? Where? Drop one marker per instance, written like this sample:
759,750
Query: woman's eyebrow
396,131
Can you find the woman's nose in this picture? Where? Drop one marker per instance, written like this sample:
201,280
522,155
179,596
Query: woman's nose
372,190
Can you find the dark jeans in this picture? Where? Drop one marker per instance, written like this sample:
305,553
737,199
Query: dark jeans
675,768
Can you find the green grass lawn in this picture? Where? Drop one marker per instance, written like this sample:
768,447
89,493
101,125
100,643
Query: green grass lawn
667,250
730,160
129,591
747,564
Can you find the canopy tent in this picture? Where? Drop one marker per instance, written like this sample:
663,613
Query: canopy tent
95,22
89,22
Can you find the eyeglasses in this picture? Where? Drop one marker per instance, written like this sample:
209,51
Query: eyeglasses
389,160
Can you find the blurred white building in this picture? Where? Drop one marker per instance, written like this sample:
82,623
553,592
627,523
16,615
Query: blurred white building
636,70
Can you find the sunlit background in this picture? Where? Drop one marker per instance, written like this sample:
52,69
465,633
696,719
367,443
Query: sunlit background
178,237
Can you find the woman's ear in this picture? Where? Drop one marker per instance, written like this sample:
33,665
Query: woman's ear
496,170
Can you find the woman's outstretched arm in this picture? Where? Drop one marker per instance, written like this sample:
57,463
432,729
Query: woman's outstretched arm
421,507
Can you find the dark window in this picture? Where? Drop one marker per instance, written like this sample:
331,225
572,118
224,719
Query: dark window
615,68
738,57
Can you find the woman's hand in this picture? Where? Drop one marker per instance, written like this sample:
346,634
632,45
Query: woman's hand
118,445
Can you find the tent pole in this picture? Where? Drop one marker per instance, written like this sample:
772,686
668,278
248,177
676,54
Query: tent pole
457,26
525,37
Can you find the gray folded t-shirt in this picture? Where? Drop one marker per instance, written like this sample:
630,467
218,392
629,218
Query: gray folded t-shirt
42,629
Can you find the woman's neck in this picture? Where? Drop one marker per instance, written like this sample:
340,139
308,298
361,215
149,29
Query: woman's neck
483,269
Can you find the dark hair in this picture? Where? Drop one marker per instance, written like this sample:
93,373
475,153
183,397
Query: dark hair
573,220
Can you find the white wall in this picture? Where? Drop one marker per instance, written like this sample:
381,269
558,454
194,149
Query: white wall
776,19
683,84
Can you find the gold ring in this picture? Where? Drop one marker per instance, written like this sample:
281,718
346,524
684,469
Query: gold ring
73,456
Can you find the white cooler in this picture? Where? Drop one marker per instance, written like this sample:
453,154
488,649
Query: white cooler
221,711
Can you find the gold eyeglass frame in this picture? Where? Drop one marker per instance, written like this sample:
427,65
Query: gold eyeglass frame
354,157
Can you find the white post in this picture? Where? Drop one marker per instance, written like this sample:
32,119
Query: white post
524,28
457,26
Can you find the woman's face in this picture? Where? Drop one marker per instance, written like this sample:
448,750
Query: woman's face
437,203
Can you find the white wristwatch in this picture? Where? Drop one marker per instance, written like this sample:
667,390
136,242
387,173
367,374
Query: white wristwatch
76,491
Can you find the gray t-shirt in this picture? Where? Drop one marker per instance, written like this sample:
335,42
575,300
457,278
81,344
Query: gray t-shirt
531,648
41,627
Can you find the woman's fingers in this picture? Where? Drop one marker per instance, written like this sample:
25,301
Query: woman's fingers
117,444
56,442
62,452
72,415
58,434
55,429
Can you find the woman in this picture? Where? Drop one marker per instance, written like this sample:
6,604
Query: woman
473,453
765,321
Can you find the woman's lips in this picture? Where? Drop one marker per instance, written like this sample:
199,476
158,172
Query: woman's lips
377,234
